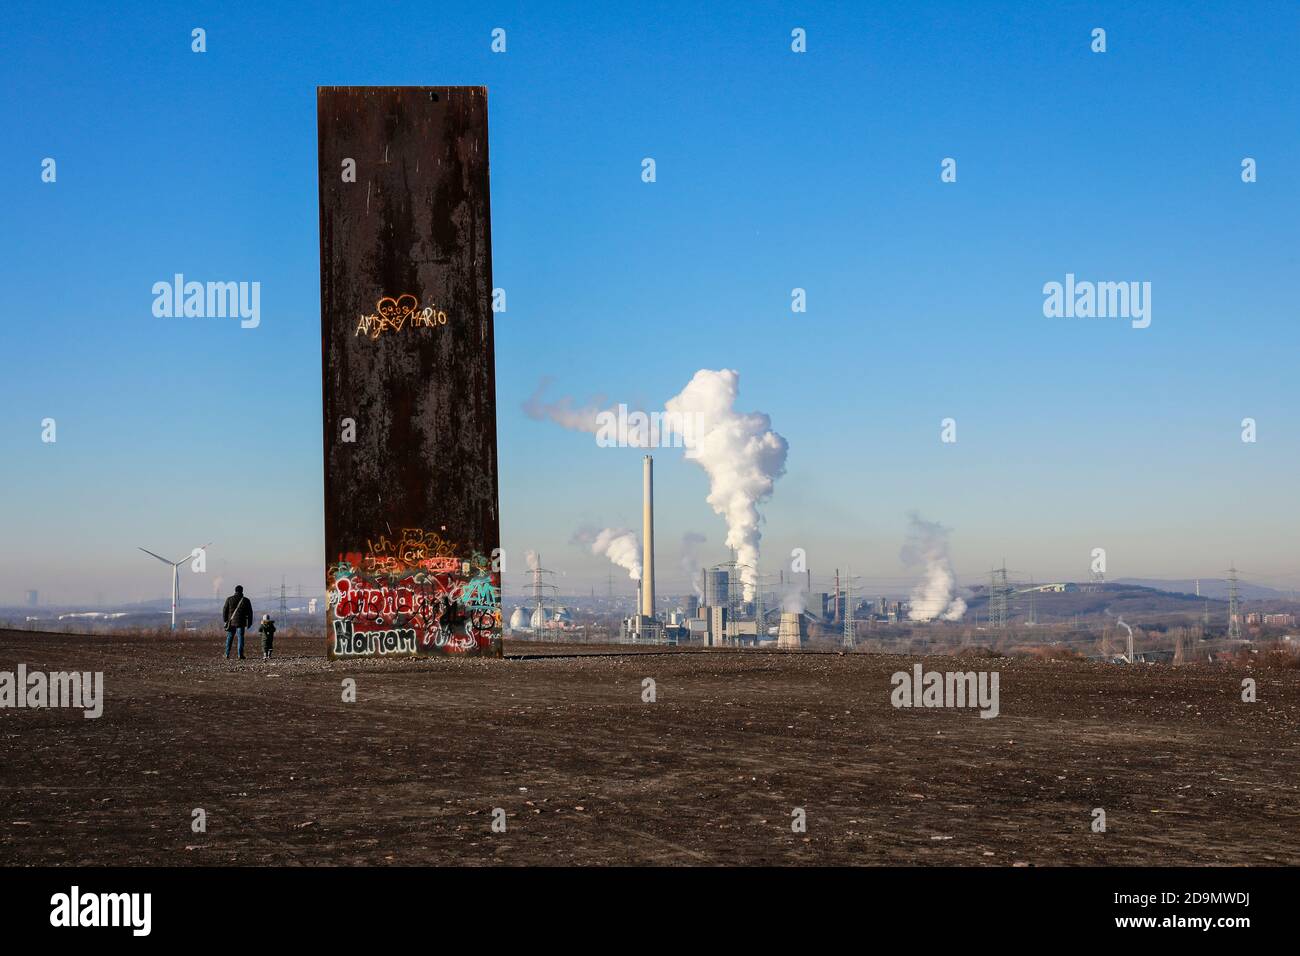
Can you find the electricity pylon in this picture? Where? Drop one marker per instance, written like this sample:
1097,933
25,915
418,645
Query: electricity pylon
1234,604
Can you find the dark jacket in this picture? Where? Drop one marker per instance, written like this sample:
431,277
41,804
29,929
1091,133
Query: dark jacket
267,630
238,611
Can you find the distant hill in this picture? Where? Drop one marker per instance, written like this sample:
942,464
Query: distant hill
1110,600
1210,588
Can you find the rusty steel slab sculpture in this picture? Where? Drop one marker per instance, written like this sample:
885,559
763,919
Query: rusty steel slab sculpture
412,533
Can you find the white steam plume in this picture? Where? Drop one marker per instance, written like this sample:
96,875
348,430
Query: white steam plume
530,556
936,596
621,546
739,452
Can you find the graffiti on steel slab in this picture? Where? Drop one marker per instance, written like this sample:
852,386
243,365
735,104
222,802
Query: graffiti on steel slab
413,594
394,314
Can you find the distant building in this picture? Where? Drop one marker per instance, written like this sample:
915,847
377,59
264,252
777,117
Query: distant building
1272,620
815,603
717,587
640,629
744,632
717,625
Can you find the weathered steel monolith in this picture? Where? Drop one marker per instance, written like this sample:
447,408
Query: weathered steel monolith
412,532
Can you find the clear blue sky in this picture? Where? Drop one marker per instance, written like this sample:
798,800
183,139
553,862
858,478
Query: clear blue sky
775,170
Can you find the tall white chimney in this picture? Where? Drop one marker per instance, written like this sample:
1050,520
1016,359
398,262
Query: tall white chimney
648,539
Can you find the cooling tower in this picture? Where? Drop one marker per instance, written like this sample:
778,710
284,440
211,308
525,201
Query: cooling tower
789,634
648,539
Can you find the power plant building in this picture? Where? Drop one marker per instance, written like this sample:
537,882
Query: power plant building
717,587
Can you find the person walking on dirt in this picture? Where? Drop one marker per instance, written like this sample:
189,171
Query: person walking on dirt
237,614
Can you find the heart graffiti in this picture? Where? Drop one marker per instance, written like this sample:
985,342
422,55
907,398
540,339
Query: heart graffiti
395,314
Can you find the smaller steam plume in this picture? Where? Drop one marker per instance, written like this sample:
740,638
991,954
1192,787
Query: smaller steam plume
936,596
620,545
691,562
1128,654
792,599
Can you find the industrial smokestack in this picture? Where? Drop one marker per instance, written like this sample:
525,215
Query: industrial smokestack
648,538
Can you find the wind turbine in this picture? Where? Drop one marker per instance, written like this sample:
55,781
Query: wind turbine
176,576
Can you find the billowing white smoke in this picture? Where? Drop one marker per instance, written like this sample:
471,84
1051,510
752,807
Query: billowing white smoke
691,562
739,452
621,546
531,557
936,596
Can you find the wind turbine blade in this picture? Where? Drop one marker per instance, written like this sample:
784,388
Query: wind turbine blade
191,555
158,556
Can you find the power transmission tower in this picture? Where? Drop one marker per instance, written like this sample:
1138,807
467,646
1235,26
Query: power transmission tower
999,596
733,599
537,622
850,632
284,607
1234,605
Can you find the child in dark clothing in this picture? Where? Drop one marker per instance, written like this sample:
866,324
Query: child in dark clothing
267,630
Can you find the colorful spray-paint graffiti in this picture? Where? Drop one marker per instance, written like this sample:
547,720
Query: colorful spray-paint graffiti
414,596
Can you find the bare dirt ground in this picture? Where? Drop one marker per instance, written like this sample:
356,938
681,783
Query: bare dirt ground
589,774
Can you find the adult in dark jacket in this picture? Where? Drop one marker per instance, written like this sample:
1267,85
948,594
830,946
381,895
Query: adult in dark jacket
237,614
